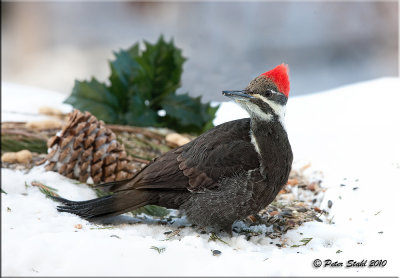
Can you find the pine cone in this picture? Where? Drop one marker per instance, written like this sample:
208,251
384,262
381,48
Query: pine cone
85,149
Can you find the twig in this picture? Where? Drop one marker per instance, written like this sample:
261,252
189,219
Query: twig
134,129
140,160
47,190
22,113
23,133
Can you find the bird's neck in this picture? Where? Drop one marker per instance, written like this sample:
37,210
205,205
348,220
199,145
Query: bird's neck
272,145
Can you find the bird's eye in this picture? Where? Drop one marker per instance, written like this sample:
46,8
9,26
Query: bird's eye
268,93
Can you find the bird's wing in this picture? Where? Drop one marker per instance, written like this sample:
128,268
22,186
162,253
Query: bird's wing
220,152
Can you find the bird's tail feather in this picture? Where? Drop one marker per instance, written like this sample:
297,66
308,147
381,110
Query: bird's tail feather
122,185
111,205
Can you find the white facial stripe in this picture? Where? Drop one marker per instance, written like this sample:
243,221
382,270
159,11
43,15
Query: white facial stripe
278,109
254,142
254,109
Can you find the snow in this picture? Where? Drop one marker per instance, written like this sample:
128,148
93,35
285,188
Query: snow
21,103
351,134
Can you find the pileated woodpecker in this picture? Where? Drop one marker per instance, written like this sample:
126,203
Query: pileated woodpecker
226,174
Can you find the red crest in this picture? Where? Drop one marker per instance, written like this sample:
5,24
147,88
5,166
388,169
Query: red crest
280,77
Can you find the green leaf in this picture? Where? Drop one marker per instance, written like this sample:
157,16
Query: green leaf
183,108
161,70
123,71
141,84
211,111
2,191
139,114
187,114
96,98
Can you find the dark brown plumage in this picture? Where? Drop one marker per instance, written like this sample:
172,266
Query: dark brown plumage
224,175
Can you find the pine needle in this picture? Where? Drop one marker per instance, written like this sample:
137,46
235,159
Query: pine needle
158,249
172,234
47,190
103,228
305,241
101,193
214,237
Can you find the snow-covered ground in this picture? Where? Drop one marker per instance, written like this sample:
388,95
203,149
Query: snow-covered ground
351,134
21,103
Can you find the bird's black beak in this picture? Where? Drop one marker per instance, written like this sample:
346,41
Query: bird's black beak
237,95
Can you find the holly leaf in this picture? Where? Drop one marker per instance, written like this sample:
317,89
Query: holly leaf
186,114
123,71
162,65
143,82
211,111
139,114
94,97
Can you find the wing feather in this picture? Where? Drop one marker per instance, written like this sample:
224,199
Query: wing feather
220,152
